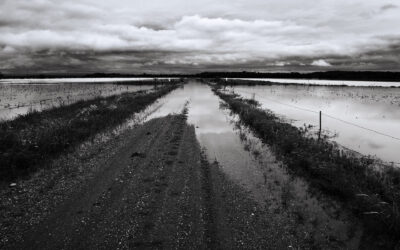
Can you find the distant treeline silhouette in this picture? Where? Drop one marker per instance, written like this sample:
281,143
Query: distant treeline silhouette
327,75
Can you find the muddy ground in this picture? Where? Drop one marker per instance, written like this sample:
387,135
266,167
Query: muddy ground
150,187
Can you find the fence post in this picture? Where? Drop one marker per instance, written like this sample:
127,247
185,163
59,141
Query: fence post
320,125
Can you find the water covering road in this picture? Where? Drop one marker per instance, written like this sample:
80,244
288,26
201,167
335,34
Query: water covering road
247,161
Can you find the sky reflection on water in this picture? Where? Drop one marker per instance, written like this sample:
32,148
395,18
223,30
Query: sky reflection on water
374,108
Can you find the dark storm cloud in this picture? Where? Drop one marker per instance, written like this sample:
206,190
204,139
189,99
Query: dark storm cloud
153,35
388,6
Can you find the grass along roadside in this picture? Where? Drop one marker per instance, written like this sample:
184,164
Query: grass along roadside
374,196
29,140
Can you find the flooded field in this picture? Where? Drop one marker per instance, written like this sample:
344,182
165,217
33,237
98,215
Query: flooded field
73,80
20,96
327,82
363,119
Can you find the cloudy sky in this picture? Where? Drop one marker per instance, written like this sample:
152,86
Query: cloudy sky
135,36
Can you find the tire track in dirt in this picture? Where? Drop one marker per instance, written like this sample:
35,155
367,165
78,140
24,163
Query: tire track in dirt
110,217
210,213
81,212
158,192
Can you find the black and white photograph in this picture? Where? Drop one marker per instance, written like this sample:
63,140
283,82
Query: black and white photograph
224,124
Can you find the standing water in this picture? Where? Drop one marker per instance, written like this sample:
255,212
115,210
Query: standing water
21,96
249,163
326,82
363,119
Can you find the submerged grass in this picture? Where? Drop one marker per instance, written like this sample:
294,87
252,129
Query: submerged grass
27,142
371,194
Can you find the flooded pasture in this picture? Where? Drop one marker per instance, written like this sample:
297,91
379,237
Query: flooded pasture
20,96
73,80
326,82
250,163
363,119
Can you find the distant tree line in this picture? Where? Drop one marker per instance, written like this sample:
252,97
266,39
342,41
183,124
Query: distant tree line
327,75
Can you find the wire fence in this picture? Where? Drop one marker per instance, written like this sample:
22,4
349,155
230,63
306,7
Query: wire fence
325,114
60,99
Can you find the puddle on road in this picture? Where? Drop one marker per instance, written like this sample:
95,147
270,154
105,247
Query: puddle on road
245,159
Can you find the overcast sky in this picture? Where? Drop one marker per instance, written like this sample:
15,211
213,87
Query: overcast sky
135,36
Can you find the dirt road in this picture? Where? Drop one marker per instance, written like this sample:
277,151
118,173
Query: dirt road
153,190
